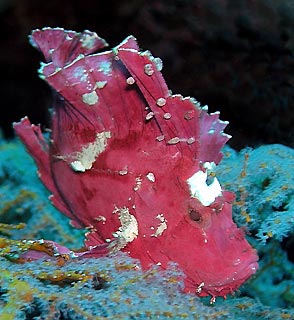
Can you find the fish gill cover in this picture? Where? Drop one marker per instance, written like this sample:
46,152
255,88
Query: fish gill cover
134,164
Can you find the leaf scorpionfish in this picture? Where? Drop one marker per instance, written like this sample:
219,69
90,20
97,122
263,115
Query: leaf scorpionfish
134,164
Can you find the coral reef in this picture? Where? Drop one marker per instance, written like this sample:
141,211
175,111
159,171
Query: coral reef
113,287
263,182
274,284
24,200
264,188
110,288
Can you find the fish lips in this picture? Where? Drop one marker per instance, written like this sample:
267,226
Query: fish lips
217,287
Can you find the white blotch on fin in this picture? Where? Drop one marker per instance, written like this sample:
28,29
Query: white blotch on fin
84,159
80,74
161,102
148,69
123,172
100,84
158,63
89,40
138,183
100,219
127,232
174,140
105,67
149,115
130,80
150,176
167,116
191,140
160,138
77,166
199,188
162,226
90,98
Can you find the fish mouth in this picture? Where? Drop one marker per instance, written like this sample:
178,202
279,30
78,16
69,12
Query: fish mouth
224,285
245,273
232,283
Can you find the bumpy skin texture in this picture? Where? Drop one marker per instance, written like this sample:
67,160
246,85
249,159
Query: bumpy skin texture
121,151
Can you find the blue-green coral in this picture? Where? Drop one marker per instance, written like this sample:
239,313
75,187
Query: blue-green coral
114,287
263,179
23,199
111,288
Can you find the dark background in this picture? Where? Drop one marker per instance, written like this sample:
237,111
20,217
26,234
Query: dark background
236,56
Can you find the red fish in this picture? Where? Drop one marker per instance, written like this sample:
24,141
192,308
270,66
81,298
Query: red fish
134,163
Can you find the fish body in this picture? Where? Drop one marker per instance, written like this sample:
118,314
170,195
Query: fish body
134,164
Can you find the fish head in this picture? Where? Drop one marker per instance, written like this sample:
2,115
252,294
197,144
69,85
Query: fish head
175,225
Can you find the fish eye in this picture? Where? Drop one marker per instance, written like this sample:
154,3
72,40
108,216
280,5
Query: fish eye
195,215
